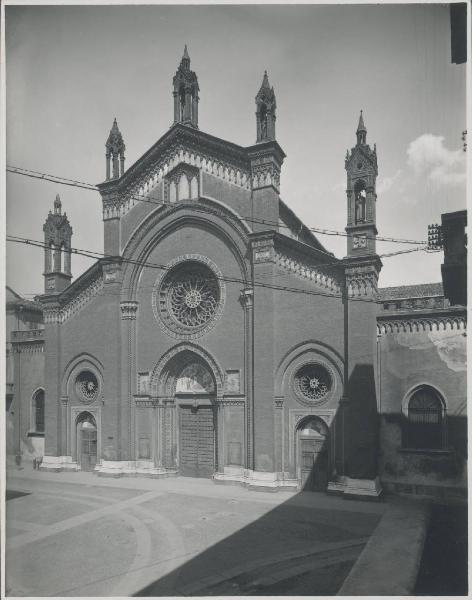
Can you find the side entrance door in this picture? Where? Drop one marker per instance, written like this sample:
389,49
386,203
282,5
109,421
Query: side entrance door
314,464
197,441
88,446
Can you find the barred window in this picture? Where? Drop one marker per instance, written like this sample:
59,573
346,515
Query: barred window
425,425
38,411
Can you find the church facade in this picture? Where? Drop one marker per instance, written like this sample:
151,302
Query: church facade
219,338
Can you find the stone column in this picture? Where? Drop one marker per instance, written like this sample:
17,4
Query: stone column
279,435
65,437
247,300
219,441
154,436
168,456
127,450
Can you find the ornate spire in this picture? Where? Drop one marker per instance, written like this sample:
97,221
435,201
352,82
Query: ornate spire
361,132
185,93
57,205
115,151
265,113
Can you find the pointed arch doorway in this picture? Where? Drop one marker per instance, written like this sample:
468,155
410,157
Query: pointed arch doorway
86,441
313,454
195,396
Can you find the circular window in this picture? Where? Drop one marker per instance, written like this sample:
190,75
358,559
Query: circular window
189,298
313,382
86,385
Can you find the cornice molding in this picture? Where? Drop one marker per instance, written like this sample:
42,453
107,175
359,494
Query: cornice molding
56,313
420,324
310,271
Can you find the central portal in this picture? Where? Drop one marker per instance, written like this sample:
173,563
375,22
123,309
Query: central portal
197,441
195,398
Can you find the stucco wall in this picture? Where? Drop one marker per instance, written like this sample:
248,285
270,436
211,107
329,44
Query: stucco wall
408,360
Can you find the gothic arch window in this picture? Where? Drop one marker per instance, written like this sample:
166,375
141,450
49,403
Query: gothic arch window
425,427
194,188
49,257
360,197
182,102
38,411
184,188
263,121
172,192
62,256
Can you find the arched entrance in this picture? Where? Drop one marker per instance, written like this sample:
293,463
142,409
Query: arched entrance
86,441
313,454
195,399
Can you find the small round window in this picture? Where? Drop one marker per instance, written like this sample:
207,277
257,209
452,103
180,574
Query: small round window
313,382
86,385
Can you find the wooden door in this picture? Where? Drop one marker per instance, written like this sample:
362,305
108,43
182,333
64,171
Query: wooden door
197,441
313,464
88,448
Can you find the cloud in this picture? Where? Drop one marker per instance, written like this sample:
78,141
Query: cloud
428,156
385,183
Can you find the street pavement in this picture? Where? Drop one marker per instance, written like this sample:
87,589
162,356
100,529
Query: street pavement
76,534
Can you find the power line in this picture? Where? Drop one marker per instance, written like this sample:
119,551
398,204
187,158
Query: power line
98,255
158,201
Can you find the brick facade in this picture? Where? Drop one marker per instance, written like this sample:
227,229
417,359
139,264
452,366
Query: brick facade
289,357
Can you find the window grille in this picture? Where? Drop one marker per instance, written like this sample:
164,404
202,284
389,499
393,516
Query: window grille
425,425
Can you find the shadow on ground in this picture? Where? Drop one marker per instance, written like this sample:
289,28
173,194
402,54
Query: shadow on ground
443,569
12,494
326,535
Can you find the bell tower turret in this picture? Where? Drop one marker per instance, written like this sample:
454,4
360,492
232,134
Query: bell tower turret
57,250
185,93
361,169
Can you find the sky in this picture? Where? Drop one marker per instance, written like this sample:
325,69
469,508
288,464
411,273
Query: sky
71,69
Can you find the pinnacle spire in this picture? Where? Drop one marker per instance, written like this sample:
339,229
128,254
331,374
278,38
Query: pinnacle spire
185,62
361,132
361,126
57,205
115,151
185,92
265,114
265,82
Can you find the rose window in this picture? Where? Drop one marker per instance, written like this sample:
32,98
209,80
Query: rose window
191,294
87,386
313,382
